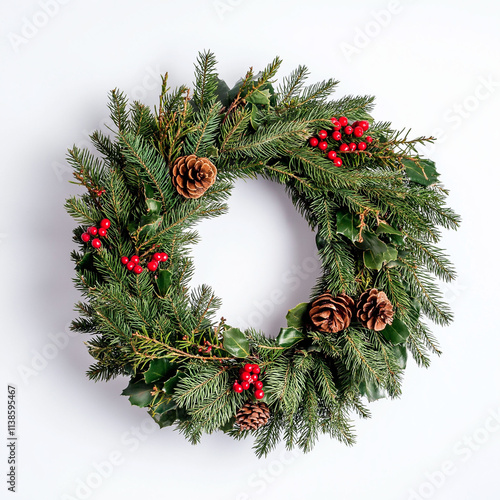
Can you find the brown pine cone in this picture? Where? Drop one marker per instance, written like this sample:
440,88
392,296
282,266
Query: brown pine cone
331,314
252,415
374,310
192,176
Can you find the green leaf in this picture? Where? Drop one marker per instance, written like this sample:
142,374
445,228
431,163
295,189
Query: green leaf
289,336
236,343
259,97
320,242
371,390
139,393
296,317
347,225
376,261
212,151
172,382
255,117
149,224
222,93
384,228
371,242
153,205
166,418
397,333
164,281
401,355
86,262
421,171
158,368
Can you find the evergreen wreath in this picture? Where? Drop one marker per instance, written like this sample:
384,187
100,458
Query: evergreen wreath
374,203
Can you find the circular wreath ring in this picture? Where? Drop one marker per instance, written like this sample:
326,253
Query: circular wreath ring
373,201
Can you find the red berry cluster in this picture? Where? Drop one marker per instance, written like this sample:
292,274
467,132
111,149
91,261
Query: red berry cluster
133,264
356,129
93,232
249,374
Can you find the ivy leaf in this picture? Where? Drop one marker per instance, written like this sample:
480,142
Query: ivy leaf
374,260
371,390
289,336
397,333
259,97
296,316
421,171
164,281
384,228
401,355
236,343
153,205
347,226
158,368
139,393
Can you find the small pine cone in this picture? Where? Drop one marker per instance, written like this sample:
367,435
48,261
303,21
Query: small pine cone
252,415
374,310
192,176
331,314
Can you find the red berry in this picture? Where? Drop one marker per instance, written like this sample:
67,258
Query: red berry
313,142
358,132
362,146
137,269
259,385
96,243
105,223
102,232
337,161
352,146
348,129
343,121
255,377
245,376
333,119
259,394
369,139
256,369
323,134
157,256
355,124
245,385
337,126
164,257
85,237
337,136
344,147
92,231
152,266
331,155
237,388
248,367
323,145
124,260
364,125
135,259
130,266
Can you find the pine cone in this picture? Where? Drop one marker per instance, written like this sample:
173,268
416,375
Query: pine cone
252,415
374,310
331,314
192,176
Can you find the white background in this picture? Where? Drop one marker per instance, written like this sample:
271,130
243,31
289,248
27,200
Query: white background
432,65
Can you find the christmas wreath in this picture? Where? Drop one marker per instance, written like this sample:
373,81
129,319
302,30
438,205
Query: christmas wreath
374,204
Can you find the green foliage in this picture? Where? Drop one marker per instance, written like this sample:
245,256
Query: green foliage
377,222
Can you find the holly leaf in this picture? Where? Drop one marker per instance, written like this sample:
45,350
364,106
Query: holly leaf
139,393
172,382
371,390
255,117
287,337
384,228
153,205
158,368
149,224
166,418
376,261
371,242
347,225
397,333
421,171
164,281
401,355
212,151
296,317
236,343
223,92
259,96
